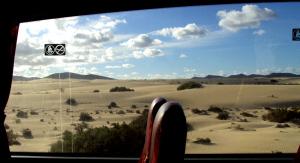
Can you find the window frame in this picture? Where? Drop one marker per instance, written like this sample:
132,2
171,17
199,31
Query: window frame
33,12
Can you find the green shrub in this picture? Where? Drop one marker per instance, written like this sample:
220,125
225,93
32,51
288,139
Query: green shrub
189,127
273,81
121,89
138,112
133,106
22,114
243,120
117,141
17,93
96,91
200,112
245,114
41,120
33,112
189,85
85,117
71,101
27,134
215,109
205,141
96,112
112,105
223,115
79,128
121,112
129,111
296,121
282,125
18,121
281,115
12,138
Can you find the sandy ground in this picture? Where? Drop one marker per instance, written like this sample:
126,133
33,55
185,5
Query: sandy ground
257,136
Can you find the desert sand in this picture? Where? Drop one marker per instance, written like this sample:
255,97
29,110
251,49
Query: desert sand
46,97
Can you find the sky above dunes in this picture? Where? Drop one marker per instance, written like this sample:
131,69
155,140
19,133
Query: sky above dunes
166,43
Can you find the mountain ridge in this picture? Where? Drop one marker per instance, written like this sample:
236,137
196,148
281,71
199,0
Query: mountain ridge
64,75
271,75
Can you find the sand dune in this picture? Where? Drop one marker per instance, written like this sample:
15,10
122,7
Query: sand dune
47,98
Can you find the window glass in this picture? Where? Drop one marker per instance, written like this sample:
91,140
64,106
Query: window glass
233,68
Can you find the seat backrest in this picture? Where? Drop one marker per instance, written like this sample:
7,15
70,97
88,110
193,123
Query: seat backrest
168,134
155,105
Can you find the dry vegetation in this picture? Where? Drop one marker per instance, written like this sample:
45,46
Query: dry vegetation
257,117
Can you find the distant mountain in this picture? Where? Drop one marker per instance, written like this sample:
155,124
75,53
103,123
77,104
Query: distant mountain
272,75
21,78
208,77
238,76
255,75
65,75
213,76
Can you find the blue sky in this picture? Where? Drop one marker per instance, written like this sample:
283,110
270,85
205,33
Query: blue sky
166,43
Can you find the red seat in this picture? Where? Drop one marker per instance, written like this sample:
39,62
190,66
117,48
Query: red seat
168,135
155,105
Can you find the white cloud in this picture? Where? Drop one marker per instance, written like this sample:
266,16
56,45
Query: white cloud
182,56
106,22
109,54
141,41
188,70
82,70
250,16
266,71
126,65
189,31
84,42
148,52
259,32
112,67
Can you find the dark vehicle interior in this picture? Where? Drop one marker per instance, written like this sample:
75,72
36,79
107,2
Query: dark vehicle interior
166,131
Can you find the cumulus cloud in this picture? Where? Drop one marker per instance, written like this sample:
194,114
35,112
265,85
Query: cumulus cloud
182,56
90,38
25,48
84,41
141,41
259,32
189,31
250,16
106,22
148,52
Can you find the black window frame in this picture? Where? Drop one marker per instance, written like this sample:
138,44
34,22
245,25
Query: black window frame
31,11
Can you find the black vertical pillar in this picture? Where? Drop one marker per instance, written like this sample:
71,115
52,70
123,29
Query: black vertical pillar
8,39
